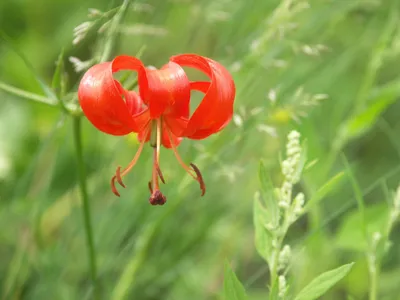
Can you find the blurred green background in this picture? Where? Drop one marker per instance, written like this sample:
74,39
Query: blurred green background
328,68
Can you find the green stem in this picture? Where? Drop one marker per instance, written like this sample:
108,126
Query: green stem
373,277
277,250
85,199
113,31
27,95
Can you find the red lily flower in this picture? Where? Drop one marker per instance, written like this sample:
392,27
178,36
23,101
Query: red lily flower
160,113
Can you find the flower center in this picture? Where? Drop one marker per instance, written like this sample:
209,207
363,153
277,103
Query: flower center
155,129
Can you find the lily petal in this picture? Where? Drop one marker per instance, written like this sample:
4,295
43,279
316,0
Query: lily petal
104,101
167,91
216,109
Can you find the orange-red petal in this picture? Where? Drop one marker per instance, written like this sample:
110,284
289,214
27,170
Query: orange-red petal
106,104
167,91
216,109
165,140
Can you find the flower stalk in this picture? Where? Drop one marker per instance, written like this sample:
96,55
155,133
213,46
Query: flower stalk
85,200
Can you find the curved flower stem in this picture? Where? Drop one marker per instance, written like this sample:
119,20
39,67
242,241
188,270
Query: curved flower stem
85,200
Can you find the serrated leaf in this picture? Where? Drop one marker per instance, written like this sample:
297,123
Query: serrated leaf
233,288
263,239
268,196
321,284
325,189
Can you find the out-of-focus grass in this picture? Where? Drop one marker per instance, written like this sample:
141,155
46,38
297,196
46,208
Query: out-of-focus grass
177,251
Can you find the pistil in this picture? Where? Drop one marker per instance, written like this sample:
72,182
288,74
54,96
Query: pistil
156,198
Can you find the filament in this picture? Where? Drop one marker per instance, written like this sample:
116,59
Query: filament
194,171
118,174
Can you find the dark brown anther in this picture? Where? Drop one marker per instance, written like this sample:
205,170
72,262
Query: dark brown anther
113,188
157,198
160,173
118,176
199,178
150,188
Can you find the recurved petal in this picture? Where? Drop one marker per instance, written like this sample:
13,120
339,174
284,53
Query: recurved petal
216,109
166,141
104,101
167,91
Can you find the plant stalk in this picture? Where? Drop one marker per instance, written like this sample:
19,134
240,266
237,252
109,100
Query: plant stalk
85,200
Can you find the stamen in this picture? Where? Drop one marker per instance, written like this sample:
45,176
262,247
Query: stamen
197,174
154,178
177,156
113,188
160,173
199,179
150,188
159,126
118,174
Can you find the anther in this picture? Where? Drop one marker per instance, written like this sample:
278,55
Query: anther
150,188
199,178
118,176
113,188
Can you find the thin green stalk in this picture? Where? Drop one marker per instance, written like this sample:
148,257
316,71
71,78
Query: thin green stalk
275,256
85,200
373,279
27,95
370,251
113,31
375,61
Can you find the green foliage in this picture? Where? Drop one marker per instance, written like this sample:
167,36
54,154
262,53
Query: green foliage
233,289
350,236
284,56
321,284
269,198
325,189
263,238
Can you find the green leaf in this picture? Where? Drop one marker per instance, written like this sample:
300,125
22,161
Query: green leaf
233,288
350,235
268,196
25,94
302,161
359,197
325,189
46,89
59,80
321,284
263,239
360,123
18,273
